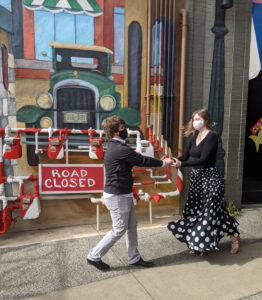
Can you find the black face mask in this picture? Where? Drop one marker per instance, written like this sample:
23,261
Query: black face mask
123,134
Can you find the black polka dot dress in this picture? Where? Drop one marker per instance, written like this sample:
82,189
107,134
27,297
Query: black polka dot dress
205,220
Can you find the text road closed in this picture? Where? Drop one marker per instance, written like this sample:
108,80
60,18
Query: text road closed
71,178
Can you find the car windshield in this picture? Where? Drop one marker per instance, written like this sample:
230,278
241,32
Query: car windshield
85,60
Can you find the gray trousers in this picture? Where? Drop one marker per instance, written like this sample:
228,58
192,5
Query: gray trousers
123,221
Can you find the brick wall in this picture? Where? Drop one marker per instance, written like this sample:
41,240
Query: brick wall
8,113
201,15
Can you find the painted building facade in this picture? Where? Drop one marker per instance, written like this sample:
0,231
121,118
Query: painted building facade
126,56
76,64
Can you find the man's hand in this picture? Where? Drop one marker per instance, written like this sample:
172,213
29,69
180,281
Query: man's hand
176,162
169,161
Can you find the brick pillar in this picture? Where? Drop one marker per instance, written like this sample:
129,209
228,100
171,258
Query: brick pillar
8,114
201,15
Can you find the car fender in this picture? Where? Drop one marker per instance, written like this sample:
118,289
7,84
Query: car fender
29,114
130,115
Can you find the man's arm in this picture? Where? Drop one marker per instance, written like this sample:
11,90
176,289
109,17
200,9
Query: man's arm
136,159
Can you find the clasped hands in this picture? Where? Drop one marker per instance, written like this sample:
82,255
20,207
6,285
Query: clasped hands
174,162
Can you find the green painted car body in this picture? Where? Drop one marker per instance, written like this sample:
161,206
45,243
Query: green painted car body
79,84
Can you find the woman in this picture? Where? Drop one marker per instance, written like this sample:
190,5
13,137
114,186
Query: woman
204,221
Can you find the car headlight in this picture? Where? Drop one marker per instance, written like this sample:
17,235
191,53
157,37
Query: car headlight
107,103
46,122
44,100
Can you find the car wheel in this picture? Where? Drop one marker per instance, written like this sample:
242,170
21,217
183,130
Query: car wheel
32,158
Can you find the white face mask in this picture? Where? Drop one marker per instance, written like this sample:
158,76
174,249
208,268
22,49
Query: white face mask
198,124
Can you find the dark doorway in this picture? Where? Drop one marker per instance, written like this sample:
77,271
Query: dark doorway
252,177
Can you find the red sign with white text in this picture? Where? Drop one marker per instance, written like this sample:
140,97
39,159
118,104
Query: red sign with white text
57,179
255,129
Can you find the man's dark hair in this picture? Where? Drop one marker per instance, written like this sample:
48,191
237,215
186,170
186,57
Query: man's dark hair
111,125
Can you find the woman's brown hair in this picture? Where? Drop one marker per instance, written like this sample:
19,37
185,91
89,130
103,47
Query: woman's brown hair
111,125
204,114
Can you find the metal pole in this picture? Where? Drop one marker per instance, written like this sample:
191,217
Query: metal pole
183,16
67,158
148,67
217,85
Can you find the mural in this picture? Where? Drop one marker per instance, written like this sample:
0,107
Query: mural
86,78
82,90
76,63
253,138
81,93
256,40
257,139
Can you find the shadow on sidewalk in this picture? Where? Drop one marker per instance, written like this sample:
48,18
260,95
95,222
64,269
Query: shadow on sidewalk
250,249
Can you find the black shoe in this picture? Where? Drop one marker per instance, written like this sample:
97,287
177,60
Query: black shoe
100,265
142,263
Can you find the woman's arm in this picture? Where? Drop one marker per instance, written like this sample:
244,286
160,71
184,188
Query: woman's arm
185,154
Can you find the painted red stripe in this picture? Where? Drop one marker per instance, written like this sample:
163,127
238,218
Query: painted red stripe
118,78
28,33
1,172
45,74
32,73
156,80
99,25
179,184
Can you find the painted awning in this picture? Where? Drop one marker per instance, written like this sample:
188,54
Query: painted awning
255,62
88,7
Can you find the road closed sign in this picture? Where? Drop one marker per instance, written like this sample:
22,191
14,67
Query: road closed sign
57,179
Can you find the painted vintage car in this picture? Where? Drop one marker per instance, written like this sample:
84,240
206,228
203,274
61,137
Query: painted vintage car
82,94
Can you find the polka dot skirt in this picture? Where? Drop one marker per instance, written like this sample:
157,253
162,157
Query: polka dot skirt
205,221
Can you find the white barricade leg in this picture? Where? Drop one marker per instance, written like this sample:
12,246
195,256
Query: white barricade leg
97,217
150,212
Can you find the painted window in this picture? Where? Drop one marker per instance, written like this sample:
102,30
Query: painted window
119,35
44,33
84,34
64,28
6,4
61,27
4,55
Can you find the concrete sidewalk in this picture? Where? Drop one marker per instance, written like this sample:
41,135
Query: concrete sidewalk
58,270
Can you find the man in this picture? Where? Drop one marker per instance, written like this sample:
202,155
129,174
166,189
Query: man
118,197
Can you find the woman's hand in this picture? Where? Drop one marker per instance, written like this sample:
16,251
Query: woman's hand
168,161
177,162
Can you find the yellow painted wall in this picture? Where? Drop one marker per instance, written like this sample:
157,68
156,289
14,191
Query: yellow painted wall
4,39
136,10
27,90
120,89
